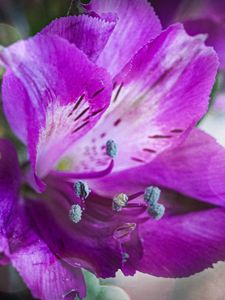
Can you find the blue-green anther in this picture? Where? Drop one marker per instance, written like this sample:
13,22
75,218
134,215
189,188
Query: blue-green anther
156,211
75,213
81,189
111,148
152,195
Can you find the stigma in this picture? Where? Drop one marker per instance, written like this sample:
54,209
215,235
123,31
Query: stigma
75,213
81,189
119,202
111,148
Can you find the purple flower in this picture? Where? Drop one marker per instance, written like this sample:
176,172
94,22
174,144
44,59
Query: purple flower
203,16
104,211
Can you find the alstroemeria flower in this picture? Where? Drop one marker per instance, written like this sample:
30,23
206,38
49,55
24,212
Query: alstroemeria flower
118,149
201,16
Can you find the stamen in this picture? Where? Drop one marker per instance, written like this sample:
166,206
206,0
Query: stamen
111,148
75,213
156,211
81,189
152,195
119,202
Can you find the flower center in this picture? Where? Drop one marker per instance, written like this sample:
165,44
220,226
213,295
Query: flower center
81,187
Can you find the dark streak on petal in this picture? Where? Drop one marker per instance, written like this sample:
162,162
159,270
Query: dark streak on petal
97,92
76,105
149,150
176,130
81,114
103,135
159,136
81,126
114,85
96,112
138,159
118,92
117,122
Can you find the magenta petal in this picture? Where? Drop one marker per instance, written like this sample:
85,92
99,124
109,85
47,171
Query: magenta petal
10,177
181,245
66,95
12,88
89,34
88,244
171,76
195,168
137,24
215,31
45,275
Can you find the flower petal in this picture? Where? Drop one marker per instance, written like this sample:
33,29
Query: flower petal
65,95
204,16
171,76
184,244
12,90
137,24
194,168
10,177
45,275
215,31
89,34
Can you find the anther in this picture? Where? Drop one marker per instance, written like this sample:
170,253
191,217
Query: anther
111,148
119,202
152,195
81,189
125,257
156,211
75,213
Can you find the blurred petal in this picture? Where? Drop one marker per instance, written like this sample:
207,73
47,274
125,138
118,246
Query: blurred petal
137,24
216,34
